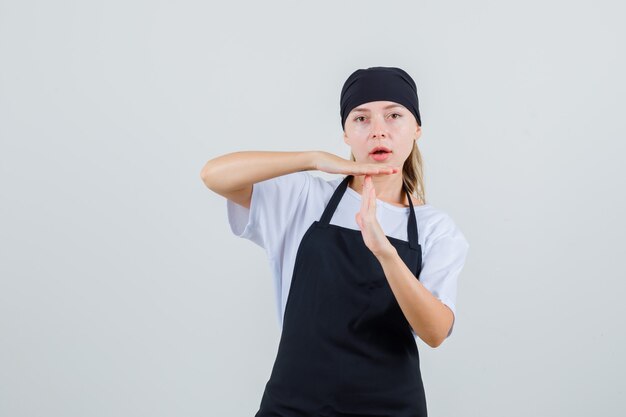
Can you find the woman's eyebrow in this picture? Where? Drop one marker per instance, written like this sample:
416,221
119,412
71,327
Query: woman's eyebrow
384,108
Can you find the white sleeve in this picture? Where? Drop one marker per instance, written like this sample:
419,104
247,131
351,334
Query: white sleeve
272,207
442,264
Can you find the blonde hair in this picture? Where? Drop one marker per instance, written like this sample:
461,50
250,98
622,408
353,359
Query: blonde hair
412,173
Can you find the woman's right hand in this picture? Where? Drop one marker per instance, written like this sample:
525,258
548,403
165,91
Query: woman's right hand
333,164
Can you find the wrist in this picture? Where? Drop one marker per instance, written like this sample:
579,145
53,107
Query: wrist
386,253
314,158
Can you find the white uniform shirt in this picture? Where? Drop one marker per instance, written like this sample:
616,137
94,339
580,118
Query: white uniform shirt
283,208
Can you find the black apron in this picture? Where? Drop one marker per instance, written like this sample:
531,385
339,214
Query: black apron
346,348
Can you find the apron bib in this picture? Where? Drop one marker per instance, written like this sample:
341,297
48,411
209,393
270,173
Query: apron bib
346,348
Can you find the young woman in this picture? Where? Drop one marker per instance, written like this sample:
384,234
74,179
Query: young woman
362,266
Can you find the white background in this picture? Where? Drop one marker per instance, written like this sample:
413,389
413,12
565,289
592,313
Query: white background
122,289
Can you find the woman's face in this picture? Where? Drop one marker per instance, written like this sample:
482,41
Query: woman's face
381,123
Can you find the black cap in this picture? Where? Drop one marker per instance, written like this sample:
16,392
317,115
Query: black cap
379,84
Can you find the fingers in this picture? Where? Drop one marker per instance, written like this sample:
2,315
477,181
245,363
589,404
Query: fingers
375,170
368,201
382,170
365,191
368,195
372,198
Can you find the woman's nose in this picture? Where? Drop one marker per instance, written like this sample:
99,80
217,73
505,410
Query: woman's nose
378,127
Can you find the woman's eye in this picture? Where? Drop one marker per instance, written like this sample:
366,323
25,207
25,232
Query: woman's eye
356,119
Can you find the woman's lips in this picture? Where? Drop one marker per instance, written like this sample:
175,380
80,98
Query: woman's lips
380,148
381,156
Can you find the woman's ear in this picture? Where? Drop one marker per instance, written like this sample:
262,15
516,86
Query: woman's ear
345,139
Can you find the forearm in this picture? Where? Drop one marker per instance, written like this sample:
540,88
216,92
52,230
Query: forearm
237,170
427,315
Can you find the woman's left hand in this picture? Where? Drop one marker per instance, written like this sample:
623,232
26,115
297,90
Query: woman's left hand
373,235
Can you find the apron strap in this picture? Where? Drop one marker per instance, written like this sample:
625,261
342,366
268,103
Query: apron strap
412,223
334,202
